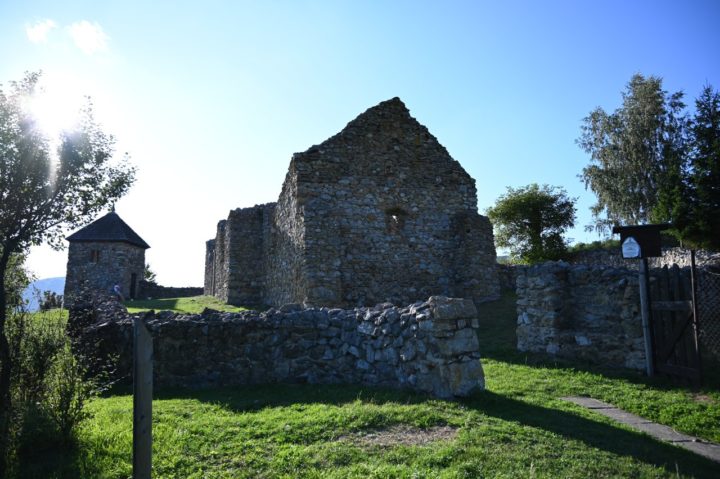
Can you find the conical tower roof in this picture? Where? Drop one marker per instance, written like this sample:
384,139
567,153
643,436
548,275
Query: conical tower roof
109,228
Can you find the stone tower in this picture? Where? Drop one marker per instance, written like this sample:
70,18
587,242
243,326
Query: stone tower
105,253
379,212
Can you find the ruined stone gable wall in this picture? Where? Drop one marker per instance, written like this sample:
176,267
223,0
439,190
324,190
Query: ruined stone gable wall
379,212
284,248
380,202
116,263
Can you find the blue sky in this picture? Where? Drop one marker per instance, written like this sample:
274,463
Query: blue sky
212,98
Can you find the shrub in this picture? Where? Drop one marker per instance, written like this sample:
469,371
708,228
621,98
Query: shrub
66,391
50,384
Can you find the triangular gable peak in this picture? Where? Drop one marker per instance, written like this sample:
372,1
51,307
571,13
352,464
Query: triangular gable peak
109,228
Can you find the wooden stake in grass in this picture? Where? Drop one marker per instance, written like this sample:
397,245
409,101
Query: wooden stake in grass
142,400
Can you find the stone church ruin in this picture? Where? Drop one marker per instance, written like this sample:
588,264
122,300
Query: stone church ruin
378,212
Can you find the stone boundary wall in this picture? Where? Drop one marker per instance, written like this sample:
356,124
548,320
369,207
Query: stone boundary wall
612,257
580,312
430,346
156,291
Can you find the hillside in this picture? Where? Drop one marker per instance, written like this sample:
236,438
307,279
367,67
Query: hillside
35,289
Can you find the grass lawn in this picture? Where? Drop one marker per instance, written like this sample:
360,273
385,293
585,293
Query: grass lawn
192,305
517,428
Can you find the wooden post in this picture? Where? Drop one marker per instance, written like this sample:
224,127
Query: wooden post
142,400
696,320
645,312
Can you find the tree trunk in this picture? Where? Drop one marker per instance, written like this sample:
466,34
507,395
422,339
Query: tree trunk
5,371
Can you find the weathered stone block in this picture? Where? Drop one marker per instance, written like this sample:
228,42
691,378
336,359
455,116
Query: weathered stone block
444,308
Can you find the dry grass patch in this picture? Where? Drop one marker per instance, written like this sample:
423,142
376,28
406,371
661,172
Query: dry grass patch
401,435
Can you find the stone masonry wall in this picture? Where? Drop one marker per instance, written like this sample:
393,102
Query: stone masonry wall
284,255
156,291
613,257
245,246
116,263
379,212
390,216
580,312
221,265
431,346
209,279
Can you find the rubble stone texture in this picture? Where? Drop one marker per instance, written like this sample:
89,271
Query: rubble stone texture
430,346
379,212
103,264
580,312
105,253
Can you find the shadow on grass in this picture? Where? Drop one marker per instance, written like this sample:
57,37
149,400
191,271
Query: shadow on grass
72,462
566,424
595,434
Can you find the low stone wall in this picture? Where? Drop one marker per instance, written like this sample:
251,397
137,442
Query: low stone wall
430,346
613,257
155,291
580,312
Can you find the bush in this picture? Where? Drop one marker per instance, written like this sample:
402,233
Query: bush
67,390
50,385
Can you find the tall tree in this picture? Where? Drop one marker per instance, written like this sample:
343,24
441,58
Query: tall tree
42,191
531,222
633,150
702,227
689,187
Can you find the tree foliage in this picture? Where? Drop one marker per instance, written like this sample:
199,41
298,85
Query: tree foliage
695,211
531,221
44,189
631,149
149,275
653,162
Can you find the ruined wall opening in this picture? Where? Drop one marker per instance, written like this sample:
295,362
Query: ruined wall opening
395,220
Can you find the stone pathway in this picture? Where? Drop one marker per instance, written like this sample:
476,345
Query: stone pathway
707,449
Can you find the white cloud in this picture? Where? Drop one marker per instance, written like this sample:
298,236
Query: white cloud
88,37
38,32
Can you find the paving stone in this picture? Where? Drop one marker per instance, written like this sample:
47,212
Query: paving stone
664,433
587,402
706,449
623,416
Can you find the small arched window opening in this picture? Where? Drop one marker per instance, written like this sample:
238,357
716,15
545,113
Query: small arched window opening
395,220
95,256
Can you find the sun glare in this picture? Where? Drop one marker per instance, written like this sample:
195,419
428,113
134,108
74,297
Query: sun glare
56,104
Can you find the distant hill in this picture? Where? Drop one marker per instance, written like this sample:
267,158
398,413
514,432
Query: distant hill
35,289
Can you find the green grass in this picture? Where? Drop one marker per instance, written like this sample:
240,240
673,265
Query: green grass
517,428
52,314
192,305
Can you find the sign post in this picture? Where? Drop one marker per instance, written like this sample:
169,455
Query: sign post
643,242
645,312
142,399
